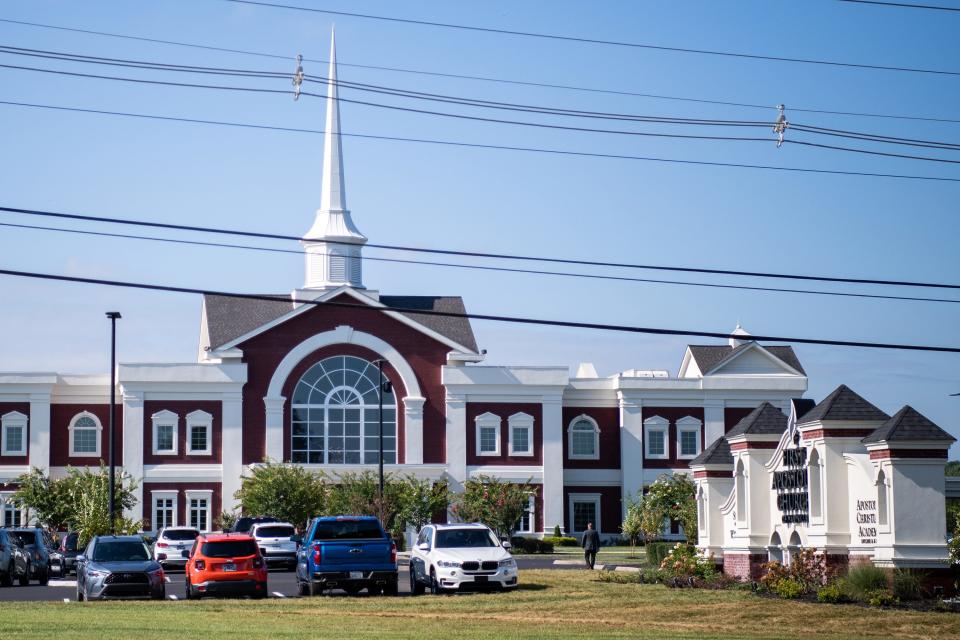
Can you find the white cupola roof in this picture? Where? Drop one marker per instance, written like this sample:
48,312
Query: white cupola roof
333,244
737,341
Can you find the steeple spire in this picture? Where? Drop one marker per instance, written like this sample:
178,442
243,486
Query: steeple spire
333,243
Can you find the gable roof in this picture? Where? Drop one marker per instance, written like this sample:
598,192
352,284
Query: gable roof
843,405
229,318
764,420
716,453
708,356
908,424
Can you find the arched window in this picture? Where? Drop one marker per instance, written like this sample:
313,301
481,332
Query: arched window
882,499
741,489
85,431
583,439
335,415
815,479
775,550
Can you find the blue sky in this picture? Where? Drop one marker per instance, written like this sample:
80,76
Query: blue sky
472,199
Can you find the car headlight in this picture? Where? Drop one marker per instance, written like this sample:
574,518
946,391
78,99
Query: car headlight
93,573
509,562
448,564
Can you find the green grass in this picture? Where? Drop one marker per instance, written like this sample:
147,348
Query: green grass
606,555
551,604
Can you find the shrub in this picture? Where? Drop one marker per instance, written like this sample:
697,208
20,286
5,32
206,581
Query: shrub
863,580
556,531
561,541
682,561
832,592
806,568
644,576
656,552
531,545
788,588
880,598
907,585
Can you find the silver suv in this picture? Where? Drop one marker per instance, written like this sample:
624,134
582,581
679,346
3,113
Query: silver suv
277,542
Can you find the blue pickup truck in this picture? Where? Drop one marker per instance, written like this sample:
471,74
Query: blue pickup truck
349,553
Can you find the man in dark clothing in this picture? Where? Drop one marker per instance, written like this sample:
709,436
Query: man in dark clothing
590,544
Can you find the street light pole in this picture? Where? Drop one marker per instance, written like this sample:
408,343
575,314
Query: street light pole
380,430
113,315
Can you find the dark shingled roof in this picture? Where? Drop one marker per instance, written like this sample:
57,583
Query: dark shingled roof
843,405
716,453
764,420
710,355
802,406
228,318
908,424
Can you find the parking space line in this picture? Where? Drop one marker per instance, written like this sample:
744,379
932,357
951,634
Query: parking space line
166,579
173,597
66,599
278,594
62,583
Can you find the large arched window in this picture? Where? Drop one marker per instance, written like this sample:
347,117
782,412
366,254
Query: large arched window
336,415
85,431
583,439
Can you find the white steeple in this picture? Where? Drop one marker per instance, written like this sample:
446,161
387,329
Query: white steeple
737,341
333,244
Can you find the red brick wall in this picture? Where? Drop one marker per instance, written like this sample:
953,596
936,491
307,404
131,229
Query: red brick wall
743,565
611,508
264,352
608,420
182,408
504,410
60,417
24,408
672,414
181,488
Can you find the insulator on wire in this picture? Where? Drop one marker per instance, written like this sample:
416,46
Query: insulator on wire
298,78
780,127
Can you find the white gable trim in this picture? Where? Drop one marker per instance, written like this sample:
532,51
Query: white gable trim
360,297
750,347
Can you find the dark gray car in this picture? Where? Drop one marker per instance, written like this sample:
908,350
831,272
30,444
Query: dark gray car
118,567
14,561
39,546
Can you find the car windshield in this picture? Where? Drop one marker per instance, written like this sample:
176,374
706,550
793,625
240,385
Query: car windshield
454,538
26,537
229,548
275,531
70,542
348,530
181,534
120,551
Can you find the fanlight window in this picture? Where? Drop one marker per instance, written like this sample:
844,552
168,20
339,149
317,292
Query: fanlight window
336,414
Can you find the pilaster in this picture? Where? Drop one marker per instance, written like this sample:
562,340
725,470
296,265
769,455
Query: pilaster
273,432
552,462
231,448
39,427
631,446
413,429
133,446
713,421
456,440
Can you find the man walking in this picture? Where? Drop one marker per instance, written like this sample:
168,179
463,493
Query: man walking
590,544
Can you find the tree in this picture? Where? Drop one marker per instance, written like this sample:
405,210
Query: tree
632,525
45,497
496,503
359,494
288,492
422,500
670,497
952,468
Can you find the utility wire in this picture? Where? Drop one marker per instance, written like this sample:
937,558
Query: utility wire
592,276
478,254
614,43
563,87
475,316
903,5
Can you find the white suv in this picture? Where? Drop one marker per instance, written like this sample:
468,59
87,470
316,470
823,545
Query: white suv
460,556
171,543
276,542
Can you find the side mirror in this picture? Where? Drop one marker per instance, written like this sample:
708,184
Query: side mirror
81,559
423,546
506,544
185,554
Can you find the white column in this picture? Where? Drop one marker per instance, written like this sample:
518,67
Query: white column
39,426
456,440
413,429
552,462
133,445
231,449
631,446
713,421
274,427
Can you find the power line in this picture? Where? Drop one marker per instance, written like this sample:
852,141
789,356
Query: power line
478,254
590,276
510,81
476,316
903,5
614,43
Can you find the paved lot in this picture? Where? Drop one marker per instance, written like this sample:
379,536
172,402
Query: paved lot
282,583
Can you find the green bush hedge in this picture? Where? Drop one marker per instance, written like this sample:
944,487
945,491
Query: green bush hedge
788,588
562,541
531,545
657,551
864,580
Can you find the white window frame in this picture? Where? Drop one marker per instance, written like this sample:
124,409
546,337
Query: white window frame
13,420
204,494
165,418
596,439
163,495
520,421
199,418
85,454
5,501
688,424
532,515
485,421
584,497
659,424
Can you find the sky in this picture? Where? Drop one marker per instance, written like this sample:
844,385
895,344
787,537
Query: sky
491,200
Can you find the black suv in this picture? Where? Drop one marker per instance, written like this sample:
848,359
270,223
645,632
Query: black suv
40,548
245,523
14,561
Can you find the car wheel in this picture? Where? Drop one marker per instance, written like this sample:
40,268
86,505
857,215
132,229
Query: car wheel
6,578
416,587
160,596
302,589
313,589
24,580
80,596
435,587
44,578
391,588
188,591
261,593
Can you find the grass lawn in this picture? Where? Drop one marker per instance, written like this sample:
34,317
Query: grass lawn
606,555
550,604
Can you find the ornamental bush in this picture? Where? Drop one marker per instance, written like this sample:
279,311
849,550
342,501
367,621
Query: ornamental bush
907,585
806,568
656,552
531,545
562,541
683,561
880,598
864,581
789,589
832,593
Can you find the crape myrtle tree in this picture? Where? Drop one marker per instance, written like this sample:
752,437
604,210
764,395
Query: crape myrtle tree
632,525
287,492
670,497
496,503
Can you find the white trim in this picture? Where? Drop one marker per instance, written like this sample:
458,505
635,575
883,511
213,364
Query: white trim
660,425
165,418
199,494
4,502
163,494
532,510
487,421
73,453
13,420
584,497
199,418
523,421
751,346
596,439
688,424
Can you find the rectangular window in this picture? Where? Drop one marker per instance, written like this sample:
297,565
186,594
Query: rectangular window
584,508
520,440
488,440
200,513
656,443
198,438
199,432
163,512
11,515
165,435
13,440
688,443
526,523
